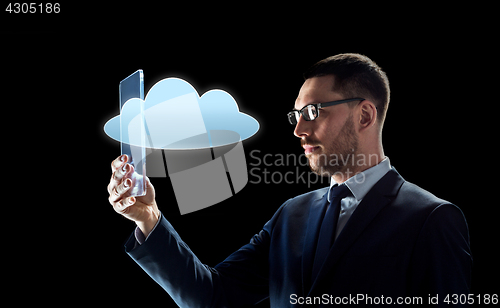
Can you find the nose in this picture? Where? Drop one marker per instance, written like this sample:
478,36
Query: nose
303,128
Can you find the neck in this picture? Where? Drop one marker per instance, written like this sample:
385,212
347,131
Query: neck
358,163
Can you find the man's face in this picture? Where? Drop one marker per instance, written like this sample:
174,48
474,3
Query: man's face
330,141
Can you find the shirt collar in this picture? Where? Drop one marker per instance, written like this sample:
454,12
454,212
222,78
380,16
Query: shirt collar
361,183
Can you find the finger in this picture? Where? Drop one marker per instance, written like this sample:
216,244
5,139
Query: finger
120,173
123,187
122,206
118,162
117,176
120,191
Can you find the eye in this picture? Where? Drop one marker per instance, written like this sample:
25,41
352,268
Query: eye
310,112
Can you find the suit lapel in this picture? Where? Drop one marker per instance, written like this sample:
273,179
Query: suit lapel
379,196
311,238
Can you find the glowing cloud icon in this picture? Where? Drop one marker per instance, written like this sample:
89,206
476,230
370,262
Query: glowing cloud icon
196,141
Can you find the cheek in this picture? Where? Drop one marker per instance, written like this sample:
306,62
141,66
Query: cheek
326,131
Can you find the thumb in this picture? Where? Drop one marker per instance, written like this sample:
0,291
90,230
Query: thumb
148,182
149,186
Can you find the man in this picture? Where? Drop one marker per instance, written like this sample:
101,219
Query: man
371,238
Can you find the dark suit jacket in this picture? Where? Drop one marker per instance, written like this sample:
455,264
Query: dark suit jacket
400,241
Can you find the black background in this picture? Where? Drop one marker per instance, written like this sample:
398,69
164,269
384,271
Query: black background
62,75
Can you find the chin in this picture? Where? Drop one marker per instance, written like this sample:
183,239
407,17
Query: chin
319,170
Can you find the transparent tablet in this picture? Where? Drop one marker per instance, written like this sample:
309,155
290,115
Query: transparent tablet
132,129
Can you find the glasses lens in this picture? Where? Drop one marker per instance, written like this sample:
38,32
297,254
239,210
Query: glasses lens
293,117
310,113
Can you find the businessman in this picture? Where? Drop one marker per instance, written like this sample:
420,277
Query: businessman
370,238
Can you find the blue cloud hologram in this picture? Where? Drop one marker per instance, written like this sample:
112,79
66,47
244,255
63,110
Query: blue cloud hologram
176,118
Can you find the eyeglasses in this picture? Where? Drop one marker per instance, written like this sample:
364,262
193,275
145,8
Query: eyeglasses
311,111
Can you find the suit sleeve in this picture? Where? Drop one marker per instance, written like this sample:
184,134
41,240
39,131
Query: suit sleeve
241,279
442,260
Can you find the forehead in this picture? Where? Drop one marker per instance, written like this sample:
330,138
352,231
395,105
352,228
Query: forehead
316,90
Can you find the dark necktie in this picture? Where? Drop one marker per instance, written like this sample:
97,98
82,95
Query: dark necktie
328,228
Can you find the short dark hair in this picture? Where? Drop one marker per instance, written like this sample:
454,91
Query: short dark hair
355,75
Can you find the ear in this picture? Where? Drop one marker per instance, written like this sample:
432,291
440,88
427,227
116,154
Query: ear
367,114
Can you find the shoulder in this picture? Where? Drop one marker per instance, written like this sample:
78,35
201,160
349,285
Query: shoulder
417,198
419,202
415,194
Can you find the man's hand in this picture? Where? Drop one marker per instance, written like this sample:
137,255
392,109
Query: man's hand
143,210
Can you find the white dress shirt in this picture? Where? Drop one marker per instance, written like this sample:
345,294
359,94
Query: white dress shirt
359,185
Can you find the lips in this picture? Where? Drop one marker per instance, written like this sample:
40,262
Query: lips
308,149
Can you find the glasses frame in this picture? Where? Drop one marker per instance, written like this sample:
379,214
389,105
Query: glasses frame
292,114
